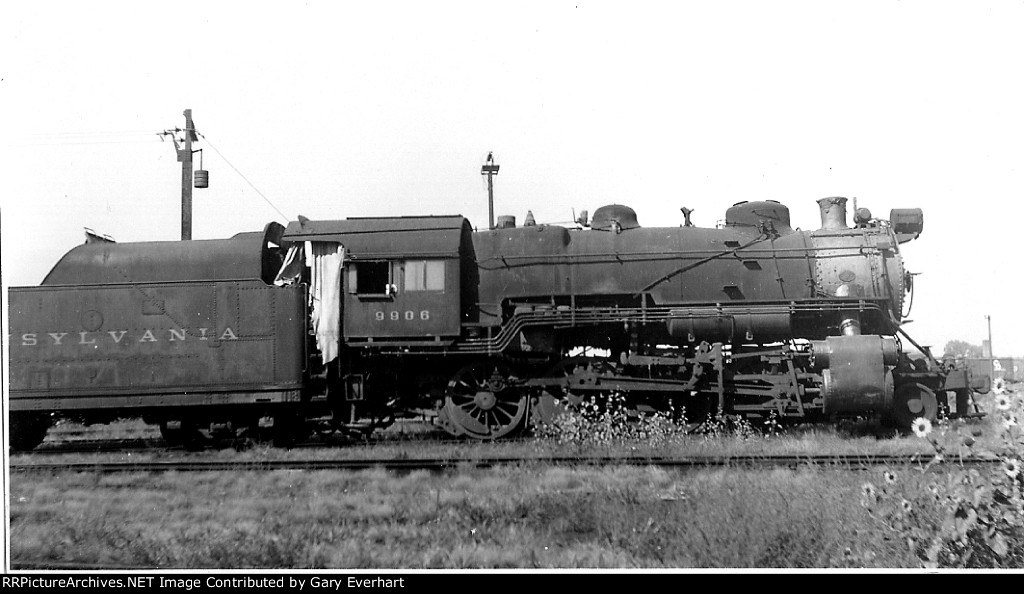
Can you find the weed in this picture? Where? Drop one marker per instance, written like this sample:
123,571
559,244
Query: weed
965,517
610,421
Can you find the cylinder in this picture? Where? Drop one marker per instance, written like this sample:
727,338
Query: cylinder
857,379
821,350
202,178
833,213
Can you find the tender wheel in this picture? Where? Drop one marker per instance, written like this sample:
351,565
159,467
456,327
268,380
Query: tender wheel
28,430
484,402
912,401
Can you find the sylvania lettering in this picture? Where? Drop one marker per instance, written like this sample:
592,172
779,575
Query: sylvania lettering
119,336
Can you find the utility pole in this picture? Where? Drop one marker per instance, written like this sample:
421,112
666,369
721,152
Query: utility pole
991,351
185,158
490,169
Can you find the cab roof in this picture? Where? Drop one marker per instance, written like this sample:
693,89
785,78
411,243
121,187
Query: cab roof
386,237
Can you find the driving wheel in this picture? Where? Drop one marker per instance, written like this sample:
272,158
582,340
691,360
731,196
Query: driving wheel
483,401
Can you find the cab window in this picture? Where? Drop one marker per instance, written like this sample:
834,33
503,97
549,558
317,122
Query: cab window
369,278
423,275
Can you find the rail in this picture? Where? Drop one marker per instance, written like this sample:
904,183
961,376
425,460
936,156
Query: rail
843,461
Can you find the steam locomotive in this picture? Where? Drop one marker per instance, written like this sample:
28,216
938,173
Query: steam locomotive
350,324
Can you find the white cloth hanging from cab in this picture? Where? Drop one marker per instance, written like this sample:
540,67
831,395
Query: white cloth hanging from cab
324,260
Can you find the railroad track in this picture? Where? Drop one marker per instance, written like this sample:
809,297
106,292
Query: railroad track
80,446
846,462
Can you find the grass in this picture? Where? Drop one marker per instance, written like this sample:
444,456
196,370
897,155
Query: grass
525,517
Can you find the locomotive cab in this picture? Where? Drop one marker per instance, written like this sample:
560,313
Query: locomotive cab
401,278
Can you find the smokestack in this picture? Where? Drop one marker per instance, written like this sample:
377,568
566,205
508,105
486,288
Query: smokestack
833,213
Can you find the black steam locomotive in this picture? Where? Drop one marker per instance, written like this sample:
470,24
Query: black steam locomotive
349,324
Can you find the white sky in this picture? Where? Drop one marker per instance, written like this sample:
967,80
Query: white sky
335,109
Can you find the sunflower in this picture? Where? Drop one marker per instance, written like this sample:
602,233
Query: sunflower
1011,466
890,477
868,494
1009,421
1003,402
906,506
921,427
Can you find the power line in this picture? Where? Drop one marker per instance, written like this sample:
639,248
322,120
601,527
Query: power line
69,142
117,137
272,205
73,138
58,138
98,133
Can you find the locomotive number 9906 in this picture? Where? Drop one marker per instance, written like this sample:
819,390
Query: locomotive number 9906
407,315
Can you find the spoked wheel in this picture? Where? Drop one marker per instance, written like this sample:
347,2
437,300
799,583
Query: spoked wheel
484,402
913,401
